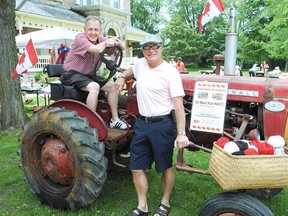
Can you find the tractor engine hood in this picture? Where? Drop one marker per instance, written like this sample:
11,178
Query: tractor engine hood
242,88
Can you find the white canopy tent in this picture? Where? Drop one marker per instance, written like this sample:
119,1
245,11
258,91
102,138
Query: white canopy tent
47,38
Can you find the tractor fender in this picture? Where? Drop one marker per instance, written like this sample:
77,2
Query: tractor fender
94,119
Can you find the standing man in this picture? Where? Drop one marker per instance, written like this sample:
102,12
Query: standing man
80,64
160,102
253,70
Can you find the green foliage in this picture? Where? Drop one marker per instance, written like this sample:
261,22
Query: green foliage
42,78
277,45
261,26
250,21
180,41
146,15
258,24
187,10
38,76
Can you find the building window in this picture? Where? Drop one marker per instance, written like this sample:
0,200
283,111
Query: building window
93,2
116,4
87,2
113,3
111,32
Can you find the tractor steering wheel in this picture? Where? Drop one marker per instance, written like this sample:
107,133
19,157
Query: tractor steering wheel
103,75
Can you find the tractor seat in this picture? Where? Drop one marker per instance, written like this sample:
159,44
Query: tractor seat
60,91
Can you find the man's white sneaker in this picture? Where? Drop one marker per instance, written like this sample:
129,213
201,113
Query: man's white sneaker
119,124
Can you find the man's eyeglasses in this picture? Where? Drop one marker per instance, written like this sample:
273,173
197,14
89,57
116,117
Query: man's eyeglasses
154,47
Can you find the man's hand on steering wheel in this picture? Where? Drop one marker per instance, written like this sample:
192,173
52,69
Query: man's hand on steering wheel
114,41
113,64
111,42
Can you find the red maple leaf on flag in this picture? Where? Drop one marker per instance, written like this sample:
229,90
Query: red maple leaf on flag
206,9
212,9
22,58
27,59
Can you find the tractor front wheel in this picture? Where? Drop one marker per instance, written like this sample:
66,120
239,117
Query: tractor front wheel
62,159
234,203
265,192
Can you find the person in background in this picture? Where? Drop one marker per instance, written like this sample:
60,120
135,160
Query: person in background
180,65
173,62
265,68
253,70
63,51
80,65
52,56
238,71
275,73
24,93
161,124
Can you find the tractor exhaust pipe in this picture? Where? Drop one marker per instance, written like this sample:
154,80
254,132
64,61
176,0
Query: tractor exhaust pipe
230,46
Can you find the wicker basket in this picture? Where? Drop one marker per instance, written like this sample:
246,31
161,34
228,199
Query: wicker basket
248,172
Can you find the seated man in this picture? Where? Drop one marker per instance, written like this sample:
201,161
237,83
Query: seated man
80,64
275,73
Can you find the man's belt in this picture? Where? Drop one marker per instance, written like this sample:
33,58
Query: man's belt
153,119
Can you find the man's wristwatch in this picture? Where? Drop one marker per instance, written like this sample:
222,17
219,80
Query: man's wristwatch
122,76
181,133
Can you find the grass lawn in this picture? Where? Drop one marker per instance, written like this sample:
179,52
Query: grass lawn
118,197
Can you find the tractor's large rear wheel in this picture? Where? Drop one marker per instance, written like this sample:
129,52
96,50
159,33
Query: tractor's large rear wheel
62,159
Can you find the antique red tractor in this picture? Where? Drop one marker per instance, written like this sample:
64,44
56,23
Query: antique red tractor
67,148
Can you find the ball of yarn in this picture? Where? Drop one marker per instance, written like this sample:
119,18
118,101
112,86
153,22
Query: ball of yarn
242,144
231,147
254,147
222,141
276,141
250,151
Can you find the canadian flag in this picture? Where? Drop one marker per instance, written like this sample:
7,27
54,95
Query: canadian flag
212,9
27,59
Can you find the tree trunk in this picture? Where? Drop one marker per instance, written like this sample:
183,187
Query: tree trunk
11,105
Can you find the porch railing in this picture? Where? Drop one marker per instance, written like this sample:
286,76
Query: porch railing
43,60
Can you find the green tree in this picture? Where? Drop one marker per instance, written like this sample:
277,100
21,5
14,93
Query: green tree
147,15
180,40
250,21
277,45
260,25
188,11
11,105
199,49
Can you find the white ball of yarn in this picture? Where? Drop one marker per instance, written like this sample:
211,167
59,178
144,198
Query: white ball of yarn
231,147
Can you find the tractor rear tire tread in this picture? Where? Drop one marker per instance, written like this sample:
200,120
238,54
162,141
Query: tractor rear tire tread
90,165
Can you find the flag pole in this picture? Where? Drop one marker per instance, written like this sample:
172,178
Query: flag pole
230,46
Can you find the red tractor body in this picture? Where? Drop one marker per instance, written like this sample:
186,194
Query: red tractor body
263,98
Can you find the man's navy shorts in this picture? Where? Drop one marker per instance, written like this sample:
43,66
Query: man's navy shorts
153,142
